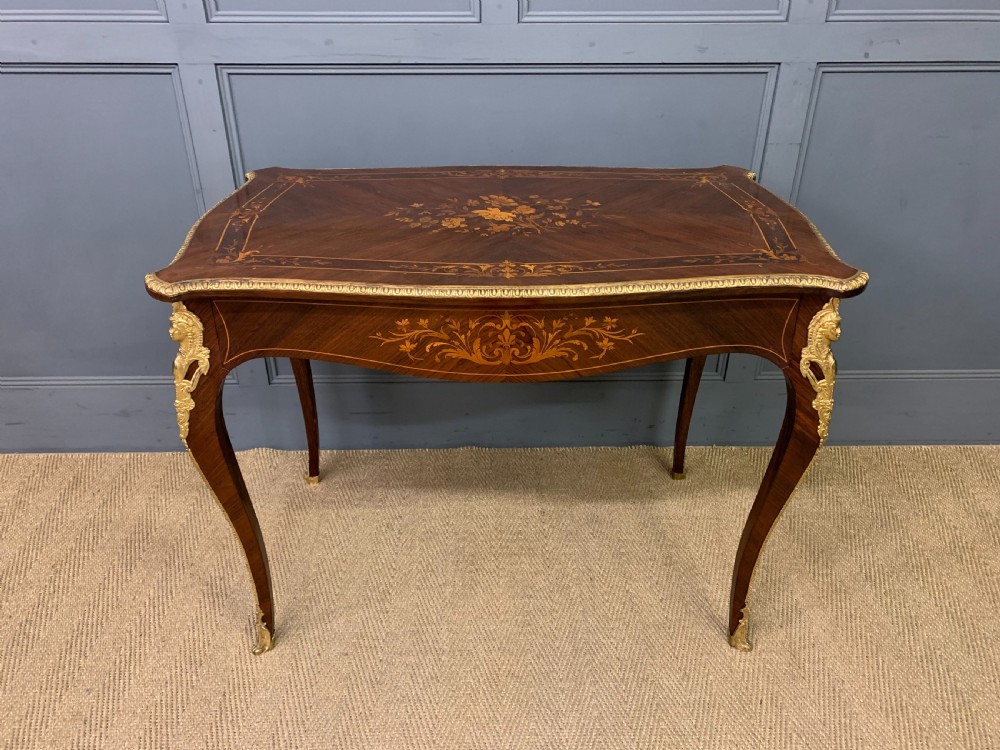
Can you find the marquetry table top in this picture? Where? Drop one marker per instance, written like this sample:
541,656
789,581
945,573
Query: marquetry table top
503,232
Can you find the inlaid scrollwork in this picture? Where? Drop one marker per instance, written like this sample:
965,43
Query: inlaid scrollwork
507,338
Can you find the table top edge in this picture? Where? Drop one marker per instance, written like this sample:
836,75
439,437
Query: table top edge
171,291
174,291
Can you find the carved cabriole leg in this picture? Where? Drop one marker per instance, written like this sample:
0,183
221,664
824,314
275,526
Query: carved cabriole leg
810,384
693,368
307,397
202,427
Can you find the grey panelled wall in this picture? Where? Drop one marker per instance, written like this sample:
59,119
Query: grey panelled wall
94,159
121,120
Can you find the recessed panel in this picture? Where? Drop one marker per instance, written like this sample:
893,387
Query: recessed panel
369,11
901,174
912,10
647,11
337,118
71,10
97,190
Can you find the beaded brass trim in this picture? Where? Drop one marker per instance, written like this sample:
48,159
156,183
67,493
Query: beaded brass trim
823,329
186,330
178,289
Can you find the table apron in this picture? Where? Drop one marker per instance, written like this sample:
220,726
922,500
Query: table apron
501,341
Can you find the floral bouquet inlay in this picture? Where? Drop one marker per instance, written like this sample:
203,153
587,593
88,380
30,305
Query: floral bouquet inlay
490,215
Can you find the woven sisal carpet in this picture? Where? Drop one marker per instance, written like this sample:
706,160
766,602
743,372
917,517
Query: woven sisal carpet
501,599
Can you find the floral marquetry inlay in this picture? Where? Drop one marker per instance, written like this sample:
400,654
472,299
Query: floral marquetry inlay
489,215
508,338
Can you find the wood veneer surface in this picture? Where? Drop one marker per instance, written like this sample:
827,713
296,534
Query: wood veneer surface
501,228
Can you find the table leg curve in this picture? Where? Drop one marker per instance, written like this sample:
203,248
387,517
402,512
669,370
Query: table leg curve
307,397
797,445
693,368
809,383
199,375
210,447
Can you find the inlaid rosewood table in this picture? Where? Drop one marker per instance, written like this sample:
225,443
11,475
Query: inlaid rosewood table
504,275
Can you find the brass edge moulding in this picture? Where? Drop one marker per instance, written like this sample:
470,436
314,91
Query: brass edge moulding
186,329
824,329
803,281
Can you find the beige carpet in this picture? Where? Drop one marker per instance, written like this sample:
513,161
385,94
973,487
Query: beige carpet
501,599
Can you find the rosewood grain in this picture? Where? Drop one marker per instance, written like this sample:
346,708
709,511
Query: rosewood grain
549,342
500,231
